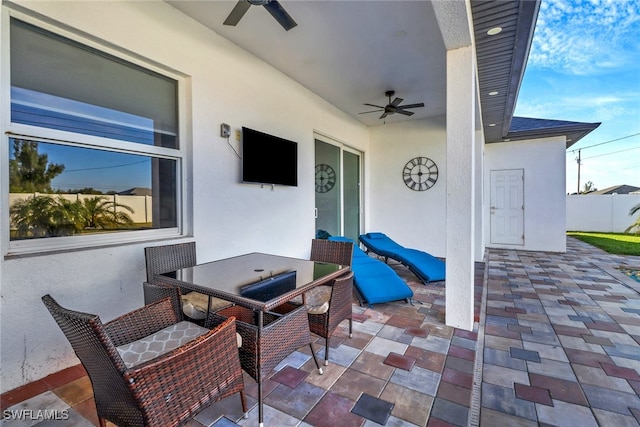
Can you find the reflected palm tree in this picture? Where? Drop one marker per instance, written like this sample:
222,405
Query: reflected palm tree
101,213
42,216
47,216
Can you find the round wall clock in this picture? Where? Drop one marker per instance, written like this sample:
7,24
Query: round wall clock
325,178
420,173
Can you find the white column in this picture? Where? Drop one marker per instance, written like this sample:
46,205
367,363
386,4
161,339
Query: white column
461,162
479,193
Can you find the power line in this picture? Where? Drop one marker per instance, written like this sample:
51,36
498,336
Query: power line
614,152
107,167
606,142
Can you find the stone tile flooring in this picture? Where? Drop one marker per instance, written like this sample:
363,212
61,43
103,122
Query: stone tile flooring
561,339
557,342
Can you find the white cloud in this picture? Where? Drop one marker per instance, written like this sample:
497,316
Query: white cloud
585,37
579,107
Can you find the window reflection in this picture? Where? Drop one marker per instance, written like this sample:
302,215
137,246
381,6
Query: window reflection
40,109
60,190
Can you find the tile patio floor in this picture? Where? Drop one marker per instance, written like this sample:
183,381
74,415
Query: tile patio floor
556,342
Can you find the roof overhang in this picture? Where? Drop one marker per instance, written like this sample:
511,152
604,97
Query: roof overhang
501,58
527,128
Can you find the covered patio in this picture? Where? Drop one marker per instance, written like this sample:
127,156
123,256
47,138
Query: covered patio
556,341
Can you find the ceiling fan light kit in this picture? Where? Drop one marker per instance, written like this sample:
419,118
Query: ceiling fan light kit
393,107
273,7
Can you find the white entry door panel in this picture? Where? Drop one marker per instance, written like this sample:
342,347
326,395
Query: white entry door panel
507,207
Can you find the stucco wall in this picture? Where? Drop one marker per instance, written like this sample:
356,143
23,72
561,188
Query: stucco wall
543,162
226,85
415,219
607,213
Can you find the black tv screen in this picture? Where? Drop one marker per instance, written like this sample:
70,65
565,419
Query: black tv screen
268,159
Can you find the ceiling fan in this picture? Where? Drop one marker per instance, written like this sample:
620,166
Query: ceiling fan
393,106
273,7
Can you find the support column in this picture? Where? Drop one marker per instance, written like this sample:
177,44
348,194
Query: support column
461,162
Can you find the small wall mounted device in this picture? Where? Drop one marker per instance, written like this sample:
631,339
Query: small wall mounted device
225,130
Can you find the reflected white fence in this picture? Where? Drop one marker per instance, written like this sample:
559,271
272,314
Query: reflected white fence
141,205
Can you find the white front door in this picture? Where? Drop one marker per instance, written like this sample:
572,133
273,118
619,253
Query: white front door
507,207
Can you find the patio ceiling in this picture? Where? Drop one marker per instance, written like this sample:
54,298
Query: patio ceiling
350,52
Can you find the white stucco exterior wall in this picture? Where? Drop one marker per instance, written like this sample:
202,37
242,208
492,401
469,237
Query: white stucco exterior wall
415,219
225,84
543,162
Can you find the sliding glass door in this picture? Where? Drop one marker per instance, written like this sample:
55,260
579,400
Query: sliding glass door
338,177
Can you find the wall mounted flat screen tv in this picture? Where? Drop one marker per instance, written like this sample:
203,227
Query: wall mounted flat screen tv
268,159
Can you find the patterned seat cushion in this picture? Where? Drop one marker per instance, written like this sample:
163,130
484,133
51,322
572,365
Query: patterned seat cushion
316,300
161,342
194,305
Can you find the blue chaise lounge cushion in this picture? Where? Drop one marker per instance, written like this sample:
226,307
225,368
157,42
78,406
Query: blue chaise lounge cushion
424,265
375,281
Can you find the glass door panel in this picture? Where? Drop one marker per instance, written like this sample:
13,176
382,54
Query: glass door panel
338,174
328,200
351,185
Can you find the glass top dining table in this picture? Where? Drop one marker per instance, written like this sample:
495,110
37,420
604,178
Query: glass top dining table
256,280
260,282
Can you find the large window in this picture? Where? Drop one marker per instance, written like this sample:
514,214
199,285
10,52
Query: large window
93,146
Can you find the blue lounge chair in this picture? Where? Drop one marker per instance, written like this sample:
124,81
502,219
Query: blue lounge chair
374,280
427,267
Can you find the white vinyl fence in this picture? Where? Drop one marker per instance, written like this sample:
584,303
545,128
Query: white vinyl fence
605,213
141,205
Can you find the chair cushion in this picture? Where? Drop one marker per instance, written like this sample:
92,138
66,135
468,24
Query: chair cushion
317,299
161,342
194,304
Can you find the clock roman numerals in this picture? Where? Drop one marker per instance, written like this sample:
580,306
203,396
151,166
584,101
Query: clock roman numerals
420,173
325,178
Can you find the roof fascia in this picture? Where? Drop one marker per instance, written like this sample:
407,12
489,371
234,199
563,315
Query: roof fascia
527,17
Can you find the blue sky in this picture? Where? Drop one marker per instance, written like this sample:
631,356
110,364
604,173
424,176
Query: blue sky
584,66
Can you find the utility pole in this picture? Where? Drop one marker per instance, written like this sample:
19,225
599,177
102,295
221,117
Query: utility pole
578,160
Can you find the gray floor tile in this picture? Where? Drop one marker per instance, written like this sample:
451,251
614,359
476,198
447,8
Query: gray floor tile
343,355
552,368
418,379
432,343
503,358
606,418
503,399
566,415
611,400
296,402
384,346
504,377
450,412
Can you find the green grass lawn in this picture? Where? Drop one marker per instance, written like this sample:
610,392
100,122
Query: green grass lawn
614,243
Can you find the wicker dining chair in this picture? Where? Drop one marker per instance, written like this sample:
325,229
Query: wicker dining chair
335,252
168,258
197,366
324,321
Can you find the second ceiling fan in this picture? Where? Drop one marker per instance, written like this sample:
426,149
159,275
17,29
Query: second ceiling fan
273,7
393,107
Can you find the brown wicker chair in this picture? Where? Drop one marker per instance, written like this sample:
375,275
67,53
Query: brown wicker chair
340,303
162,259
164,391
335,252
168,258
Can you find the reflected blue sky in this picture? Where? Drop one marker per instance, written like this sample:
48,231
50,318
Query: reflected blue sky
102,170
